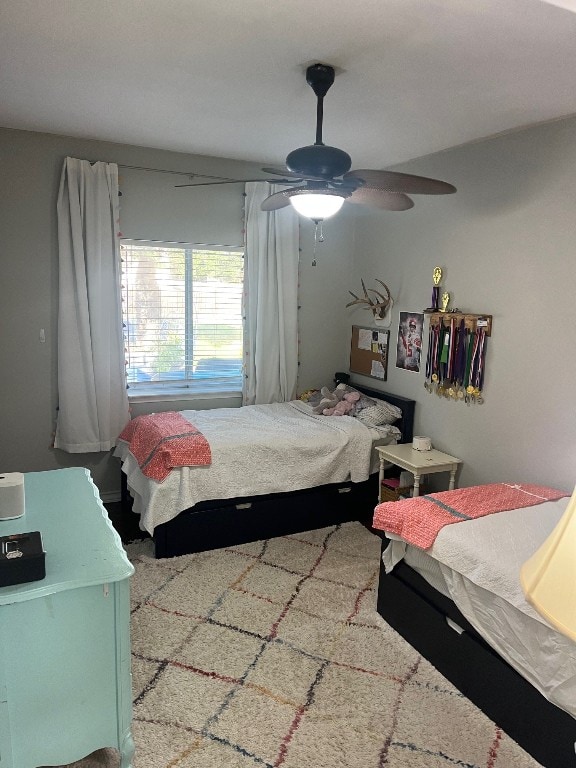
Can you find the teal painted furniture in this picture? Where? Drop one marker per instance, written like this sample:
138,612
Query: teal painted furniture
65,682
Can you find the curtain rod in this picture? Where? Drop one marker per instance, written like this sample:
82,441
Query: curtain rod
176,173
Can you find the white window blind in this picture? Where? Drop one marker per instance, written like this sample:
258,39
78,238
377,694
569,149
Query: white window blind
182,314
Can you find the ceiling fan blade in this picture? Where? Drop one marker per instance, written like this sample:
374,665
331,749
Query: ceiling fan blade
378,198
296,180
281,172
276,201
391,181
291,175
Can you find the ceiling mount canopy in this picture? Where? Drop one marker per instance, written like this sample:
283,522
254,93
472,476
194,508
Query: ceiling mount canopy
319,178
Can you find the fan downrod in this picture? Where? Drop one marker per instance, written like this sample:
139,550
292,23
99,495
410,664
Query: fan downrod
318,159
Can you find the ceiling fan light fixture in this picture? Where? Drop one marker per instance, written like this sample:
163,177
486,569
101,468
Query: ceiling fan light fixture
317,205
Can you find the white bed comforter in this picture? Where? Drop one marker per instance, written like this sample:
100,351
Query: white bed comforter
256,449
480,562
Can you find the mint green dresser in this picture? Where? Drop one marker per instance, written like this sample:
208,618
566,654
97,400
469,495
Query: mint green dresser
65,683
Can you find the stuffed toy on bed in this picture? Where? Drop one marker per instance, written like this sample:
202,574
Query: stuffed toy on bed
346,406
328,400
311,396
342,401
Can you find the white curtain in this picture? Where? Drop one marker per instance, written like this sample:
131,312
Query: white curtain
93,402
270,300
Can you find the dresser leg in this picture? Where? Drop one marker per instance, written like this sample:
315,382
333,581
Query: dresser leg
452,480
127,751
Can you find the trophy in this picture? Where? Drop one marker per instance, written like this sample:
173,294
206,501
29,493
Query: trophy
436,277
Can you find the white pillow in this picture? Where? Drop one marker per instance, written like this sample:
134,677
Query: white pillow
381,413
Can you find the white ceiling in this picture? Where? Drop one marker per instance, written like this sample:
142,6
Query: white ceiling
226,77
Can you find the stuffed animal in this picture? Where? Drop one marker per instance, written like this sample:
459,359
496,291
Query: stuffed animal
310,395
329,400
344,407
332,399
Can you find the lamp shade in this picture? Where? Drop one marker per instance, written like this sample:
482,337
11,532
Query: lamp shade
548,578
317,205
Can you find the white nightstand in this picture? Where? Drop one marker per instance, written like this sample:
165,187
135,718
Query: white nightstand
418,462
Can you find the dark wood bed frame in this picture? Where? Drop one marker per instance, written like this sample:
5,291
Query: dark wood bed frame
223,523
418,613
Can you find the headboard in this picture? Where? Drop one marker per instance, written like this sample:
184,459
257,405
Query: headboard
406,425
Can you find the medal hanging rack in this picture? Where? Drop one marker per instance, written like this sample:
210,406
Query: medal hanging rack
455,363
471,320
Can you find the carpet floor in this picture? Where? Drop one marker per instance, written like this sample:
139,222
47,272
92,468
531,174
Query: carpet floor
272,654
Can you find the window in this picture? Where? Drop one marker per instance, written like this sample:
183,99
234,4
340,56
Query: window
182,314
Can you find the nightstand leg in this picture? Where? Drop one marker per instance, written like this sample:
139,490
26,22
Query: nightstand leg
380,479
452,480
416,491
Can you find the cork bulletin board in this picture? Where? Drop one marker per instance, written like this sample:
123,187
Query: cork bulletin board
369,351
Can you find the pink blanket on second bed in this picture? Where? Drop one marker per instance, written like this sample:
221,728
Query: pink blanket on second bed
161,441
418,520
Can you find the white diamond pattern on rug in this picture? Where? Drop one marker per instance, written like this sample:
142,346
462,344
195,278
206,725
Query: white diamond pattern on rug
272,655
269,582
284,674
220,651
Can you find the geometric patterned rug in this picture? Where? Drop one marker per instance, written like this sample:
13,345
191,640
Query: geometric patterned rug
272,654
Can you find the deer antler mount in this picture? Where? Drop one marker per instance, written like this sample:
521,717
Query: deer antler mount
379,303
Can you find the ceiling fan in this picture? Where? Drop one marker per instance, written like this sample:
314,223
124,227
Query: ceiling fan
321,180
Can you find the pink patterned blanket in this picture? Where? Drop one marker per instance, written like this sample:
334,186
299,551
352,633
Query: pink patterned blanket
419,520
161,441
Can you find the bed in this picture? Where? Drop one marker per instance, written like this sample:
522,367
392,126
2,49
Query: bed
460,604
194,510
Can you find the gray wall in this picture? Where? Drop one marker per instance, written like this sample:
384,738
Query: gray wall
151,208
506,242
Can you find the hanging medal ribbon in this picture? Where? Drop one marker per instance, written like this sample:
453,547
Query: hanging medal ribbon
479,374
451,359
460,361
474,389
436,357
428,379
431,358
443,366
469,352
471,366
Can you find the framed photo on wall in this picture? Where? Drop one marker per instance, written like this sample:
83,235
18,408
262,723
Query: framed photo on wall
409,343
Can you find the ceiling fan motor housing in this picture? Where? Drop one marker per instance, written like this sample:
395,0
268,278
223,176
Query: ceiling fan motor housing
319,160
